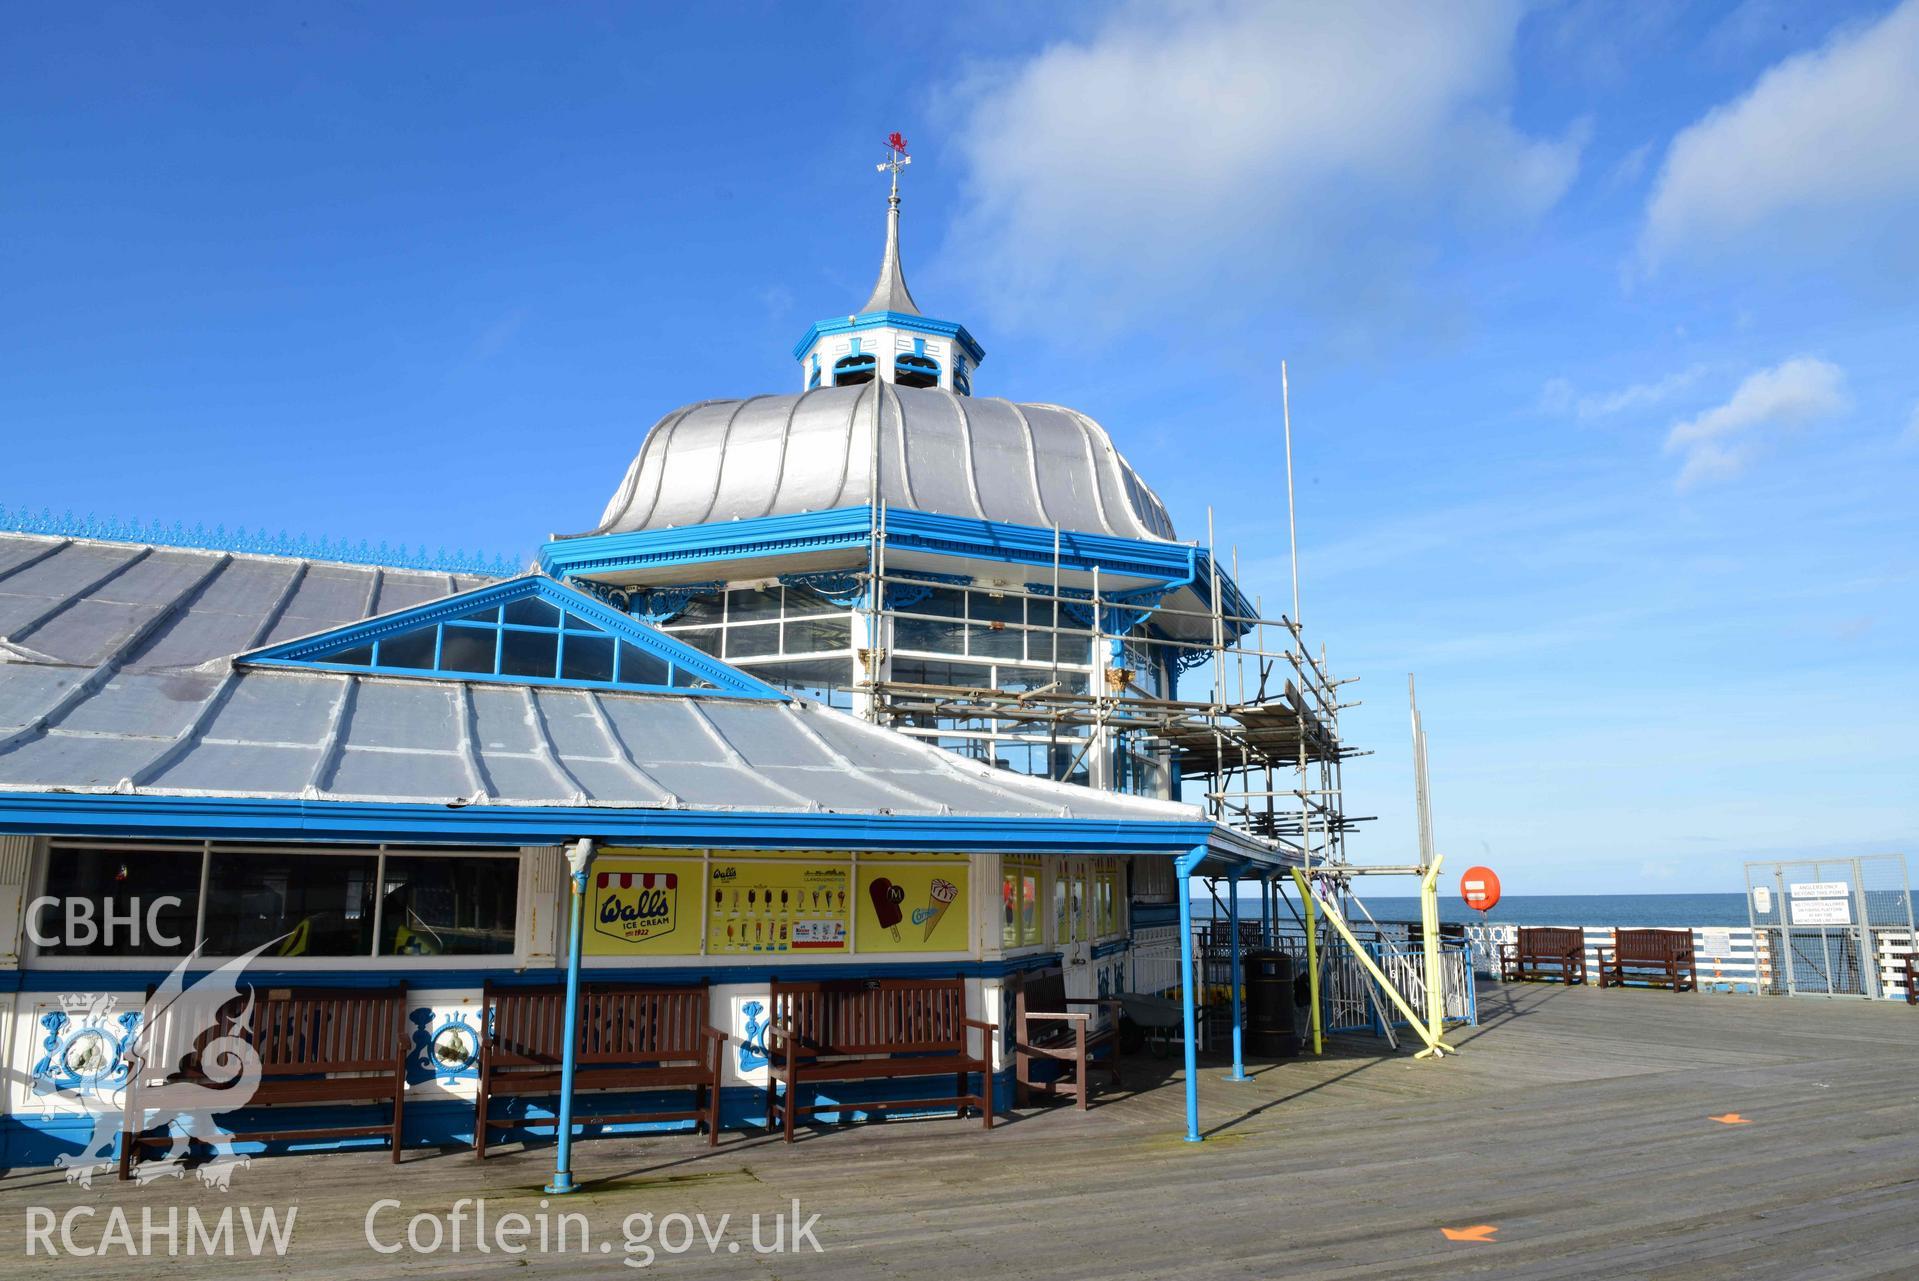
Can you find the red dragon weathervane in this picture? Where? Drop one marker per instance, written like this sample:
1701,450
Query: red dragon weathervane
896,159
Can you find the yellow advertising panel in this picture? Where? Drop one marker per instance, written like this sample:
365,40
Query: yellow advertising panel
643,903
796,906
914,906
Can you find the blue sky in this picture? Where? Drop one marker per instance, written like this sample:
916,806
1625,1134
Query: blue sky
1600,322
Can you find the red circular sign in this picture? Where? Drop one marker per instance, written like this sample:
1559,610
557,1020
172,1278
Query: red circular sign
1480,888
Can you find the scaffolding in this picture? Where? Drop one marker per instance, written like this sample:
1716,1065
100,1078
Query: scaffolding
1265,760
1261,752
1259,749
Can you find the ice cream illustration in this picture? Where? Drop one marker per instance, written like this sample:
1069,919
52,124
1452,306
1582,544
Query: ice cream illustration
938,899
887,898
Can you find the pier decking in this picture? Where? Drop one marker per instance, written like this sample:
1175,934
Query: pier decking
1577,1123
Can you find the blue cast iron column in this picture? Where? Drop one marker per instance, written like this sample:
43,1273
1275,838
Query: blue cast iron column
580,861
1239,1029
1184,867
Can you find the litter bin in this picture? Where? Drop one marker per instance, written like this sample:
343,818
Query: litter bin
1274,1024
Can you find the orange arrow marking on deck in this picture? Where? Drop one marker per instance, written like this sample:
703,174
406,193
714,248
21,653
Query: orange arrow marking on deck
1731,1118
1482,1234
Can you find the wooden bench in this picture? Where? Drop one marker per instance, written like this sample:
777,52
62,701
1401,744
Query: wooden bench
629,1038
1045,1027
314,1045
1662,958
870,1030
1539,949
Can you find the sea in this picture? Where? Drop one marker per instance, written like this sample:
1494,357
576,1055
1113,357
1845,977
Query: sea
1547,909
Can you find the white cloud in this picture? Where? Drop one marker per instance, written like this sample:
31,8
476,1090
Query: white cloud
1721,441
1822,154
1230,149
1560,397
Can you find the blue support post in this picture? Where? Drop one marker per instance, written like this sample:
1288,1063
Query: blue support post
1239,1022
580,859
1184,867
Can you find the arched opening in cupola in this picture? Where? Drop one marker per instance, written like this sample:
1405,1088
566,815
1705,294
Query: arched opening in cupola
916,371
850,371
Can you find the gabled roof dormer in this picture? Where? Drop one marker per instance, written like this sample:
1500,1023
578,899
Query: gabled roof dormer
526,631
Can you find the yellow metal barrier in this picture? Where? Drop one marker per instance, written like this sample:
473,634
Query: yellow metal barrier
1435,1047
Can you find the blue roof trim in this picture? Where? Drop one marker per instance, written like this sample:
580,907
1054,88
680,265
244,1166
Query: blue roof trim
253,818
896,320
1174,564
725,680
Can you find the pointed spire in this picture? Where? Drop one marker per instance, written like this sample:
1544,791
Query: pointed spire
890,292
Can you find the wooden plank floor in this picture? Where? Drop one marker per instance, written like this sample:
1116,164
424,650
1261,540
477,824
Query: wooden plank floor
1575,1121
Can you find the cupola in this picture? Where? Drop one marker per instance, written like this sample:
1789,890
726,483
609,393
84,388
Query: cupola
888,339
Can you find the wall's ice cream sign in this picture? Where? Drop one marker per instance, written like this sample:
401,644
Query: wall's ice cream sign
636,906
643,906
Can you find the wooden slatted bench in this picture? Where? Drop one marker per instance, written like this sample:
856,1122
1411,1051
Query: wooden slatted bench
630,1037
1662,958
1539,949
314,1045
871,1030
1046,1027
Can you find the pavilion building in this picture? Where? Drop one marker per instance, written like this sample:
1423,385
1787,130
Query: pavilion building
870,630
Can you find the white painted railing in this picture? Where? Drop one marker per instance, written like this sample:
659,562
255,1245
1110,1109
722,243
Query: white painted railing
1729,958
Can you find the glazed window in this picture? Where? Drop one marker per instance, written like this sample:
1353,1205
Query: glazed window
123,901
1108,893
825,680
1019,903
989,625
1136,769
312,904
765,629
447,907
526,639
359,901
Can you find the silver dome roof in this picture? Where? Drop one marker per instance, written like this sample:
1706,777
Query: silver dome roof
1039,465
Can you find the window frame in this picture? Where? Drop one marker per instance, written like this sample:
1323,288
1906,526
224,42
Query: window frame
798,606
1022,871
37,957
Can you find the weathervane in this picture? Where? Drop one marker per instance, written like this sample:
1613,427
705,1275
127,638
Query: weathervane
896,160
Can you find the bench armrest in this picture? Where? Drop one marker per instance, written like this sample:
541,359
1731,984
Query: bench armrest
714,1034
981,1024
1110,1002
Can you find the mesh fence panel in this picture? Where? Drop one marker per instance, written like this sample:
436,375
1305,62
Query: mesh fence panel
1831,926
